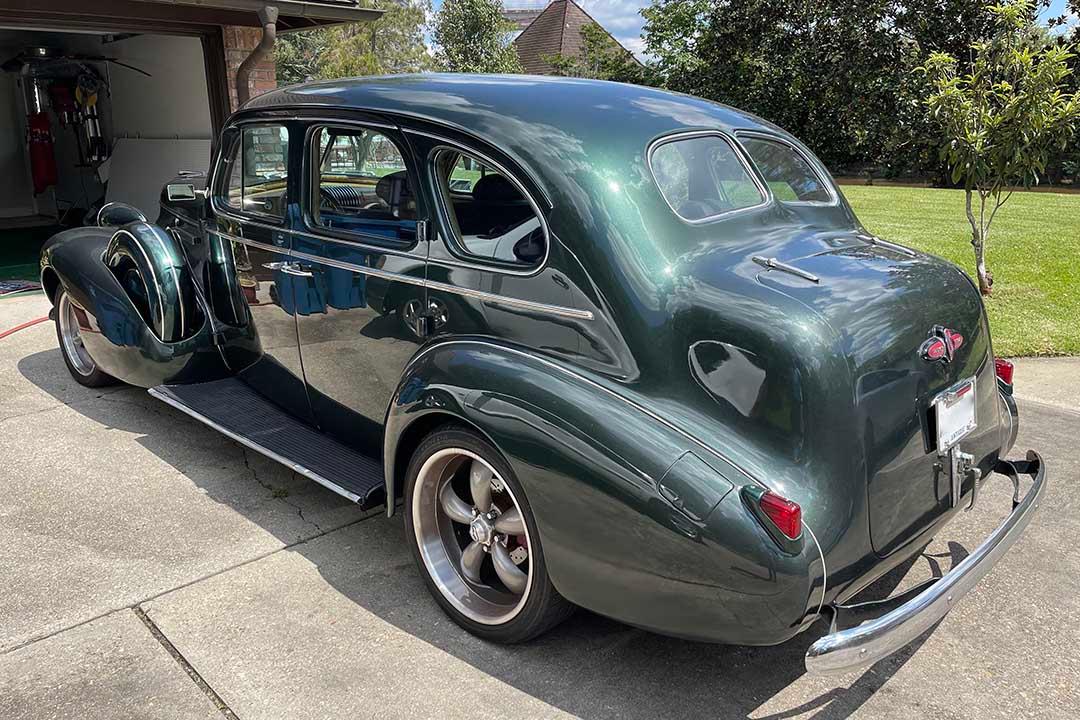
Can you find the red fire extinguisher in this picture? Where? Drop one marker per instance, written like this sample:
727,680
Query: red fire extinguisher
42,159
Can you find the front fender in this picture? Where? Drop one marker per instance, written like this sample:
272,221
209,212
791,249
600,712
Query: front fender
118,337
591,464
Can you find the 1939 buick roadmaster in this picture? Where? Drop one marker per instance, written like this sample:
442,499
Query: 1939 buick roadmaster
606,346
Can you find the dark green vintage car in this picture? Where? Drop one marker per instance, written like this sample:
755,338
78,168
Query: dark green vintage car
607,346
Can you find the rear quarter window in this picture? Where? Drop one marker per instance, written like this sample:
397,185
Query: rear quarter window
702,177
790,176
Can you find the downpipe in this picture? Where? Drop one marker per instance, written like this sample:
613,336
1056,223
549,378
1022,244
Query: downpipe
268,19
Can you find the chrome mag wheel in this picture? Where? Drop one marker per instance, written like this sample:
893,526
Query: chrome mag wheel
472,537
71,338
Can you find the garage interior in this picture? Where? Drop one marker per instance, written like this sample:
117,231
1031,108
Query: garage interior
88,118
110,106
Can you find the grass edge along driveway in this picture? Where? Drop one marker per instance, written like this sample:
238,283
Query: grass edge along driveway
1033,252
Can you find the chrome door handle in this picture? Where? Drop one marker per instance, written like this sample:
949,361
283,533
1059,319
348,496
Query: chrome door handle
294,268
289,268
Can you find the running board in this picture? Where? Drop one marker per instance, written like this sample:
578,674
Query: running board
233,408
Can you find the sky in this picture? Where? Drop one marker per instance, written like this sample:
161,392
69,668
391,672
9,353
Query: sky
622,18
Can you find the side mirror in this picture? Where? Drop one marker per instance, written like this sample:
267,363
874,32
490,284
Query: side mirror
183,192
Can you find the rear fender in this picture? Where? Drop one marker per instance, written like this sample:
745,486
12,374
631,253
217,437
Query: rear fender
117,335
591,463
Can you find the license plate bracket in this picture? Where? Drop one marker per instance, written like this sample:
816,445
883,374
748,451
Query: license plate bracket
954,412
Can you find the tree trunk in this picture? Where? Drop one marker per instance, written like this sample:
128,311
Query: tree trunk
978,242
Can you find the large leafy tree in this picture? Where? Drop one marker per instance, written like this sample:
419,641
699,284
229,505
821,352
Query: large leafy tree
392,44
1002,116
834,72
472,36
601,58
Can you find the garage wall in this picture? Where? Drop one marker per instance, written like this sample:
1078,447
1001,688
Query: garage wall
16,196
171,104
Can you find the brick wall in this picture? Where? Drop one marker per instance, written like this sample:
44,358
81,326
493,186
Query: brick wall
239,42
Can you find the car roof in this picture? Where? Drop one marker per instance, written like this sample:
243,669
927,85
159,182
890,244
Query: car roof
441,96
499,108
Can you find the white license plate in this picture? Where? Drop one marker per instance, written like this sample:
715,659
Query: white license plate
955,413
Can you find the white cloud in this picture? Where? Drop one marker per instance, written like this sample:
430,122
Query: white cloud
621,18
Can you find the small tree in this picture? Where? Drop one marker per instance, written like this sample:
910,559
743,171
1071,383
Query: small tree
392,44
473,36
602,58
1003,120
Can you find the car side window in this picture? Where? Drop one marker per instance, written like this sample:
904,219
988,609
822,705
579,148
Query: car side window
361,184
702,176
789,174
257,167
490,216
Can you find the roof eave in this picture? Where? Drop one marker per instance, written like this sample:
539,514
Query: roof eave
316,13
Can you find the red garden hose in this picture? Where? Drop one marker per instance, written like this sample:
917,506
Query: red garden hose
17,328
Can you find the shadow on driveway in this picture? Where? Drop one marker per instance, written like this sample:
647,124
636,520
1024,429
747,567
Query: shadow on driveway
587,664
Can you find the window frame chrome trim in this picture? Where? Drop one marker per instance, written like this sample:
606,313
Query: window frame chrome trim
321,232
465,259
213,187
737,149
483,156
815,167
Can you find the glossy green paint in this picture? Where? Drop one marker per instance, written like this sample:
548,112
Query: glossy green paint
590,463
814,390
120,341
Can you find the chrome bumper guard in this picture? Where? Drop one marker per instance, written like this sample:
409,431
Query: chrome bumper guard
845,650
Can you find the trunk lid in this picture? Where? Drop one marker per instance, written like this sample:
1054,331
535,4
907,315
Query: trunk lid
882,304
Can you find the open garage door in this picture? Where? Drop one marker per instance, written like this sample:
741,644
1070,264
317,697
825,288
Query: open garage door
110,104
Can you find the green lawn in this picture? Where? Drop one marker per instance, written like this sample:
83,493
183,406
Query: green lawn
1034,254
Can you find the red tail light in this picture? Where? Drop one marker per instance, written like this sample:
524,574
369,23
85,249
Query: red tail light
1004,370
785,514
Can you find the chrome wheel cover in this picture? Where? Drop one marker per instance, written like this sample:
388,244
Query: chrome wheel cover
71,338
476,551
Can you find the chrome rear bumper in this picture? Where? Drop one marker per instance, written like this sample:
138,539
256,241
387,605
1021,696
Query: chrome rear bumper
846,650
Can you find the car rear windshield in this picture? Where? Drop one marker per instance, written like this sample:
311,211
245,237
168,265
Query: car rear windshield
703,177
788,173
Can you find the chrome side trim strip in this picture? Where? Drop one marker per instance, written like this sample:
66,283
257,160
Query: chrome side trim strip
382,249
247,442
484,296
249,242
557,310
362,269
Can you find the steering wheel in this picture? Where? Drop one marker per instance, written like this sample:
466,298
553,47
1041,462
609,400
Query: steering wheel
326,197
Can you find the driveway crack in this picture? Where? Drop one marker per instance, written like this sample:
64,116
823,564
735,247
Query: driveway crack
277,493
188,668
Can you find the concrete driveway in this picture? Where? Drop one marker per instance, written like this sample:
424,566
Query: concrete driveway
151,568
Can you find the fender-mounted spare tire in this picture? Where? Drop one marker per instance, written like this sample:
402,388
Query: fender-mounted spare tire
150,265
